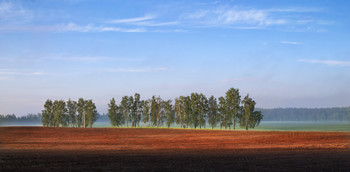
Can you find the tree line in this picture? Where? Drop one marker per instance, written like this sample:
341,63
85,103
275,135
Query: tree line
30,118
193,111
81,113
307,114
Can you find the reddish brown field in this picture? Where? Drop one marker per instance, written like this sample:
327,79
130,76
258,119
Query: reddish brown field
111,149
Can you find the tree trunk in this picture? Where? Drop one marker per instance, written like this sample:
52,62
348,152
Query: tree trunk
246,125
234,124
84,118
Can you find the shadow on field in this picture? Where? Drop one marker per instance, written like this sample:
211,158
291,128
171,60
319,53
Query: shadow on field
238,160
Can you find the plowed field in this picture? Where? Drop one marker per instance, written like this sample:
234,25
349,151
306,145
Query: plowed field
112,149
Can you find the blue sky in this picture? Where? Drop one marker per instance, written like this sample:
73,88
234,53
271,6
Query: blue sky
283,53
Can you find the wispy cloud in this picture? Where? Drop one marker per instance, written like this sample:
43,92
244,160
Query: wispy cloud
160,69
116,29
16,73
233,17
135,70
74,27
245,79
290,42
326,62
96,58
126,70
236,80
14,14
171,30
132,20
68,27
296,10
152,23
147,20
214,15
238,17
4,78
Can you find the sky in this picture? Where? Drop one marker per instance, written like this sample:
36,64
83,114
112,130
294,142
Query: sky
283,53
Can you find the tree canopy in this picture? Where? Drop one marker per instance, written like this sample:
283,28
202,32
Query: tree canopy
192,111
71,113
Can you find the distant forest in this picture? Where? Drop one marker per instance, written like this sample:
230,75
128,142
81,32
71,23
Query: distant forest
276,114
307,114
11,118
36,118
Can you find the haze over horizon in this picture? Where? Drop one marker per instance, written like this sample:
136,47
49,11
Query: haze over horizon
283,53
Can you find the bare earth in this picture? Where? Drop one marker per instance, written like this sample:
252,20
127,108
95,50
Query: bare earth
112,149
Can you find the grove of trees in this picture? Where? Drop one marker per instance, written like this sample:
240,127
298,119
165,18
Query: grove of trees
192,111
57,113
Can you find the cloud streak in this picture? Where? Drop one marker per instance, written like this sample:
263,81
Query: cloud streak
290,42
149,23
233,16
238,17
12,73
146,20
132,20
326,62
14,14
96,58
72,27
296,10
69,27
245,79
134,70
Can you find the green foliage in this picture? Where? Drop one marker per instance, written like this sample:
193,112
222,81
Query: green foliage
188,111
198,108
91,113
47,113
202,110
156,118
81,113
256,118
72,108
222,109
59,113
136,110
146,111
212,112
124,109
169,112
179,111
113,114
233,100
184,111
194,109
249,118
131,110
